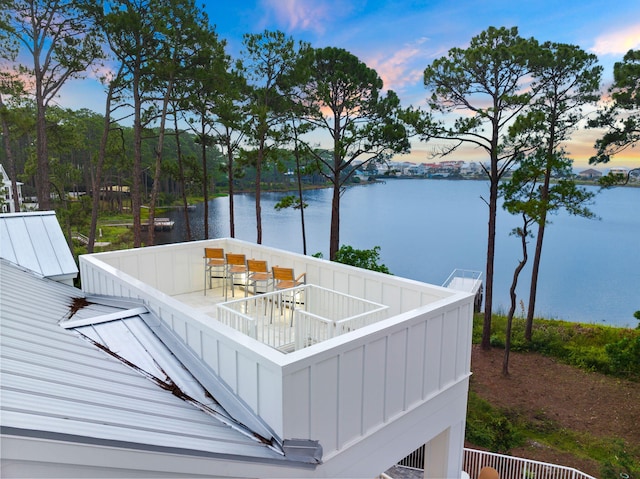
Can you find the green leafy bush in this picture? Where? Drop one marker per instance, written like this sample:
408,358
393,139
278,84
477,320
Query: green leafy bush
362,258
479,415
624,357
489,427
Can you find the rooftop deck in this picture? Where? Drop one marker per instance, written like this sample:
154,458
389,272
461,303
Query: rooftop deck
370,395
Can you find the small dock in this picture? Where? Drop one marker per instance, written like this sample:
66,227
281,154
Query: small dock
160,224
84,240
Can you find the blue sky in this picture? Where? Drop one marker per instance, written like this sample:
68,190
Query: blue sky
400,38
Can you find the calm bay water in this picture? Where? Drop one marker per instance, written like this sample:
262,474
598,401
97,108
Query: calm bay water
590,269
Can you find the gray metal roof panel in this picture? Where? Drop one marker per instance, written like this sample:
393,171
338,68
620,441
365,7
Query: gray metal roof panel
53,381
35,241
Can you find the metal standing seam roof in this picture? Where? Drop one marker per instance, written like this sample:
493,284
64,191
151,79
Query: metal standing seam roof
35,241
54,382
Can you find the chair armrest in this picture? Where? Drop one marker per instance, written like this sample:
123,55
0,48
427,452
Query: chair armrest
303,275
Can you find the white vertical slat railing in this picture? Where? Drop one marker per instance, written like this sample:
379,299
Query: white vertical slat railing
508,467
310,315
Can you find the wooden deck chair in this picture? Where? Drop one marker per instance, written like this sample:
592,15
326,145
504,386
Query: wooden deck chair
236,265
214,262
285,278
258,273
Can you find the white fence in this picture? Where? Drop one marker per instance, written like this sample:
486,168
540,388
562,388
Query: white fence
295,318
508,467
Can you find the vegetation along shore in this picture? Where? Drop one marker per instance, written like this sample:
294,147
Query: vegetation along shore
572,396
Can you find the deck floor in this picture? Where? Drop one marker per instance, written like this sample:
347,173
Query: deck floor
274,326
207,303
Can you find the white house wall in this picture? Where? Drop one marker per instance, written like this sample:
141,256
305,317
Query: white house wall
443,415
346,391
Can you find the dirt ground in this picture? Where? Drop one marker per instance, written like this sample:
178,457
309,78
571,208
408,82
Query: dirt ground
542,389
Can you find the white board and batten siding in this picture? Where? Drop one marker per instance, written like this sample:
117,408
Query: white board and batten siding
354,388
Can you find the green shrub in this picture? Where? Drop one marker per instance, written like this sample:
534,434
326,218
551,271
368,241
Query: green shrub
362,258
479,414
624,357
591,358
489,427
505,435
497,341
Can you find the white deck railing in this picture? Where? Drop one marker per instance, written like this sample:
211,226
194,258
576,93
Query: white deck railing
295,318
464,280
508,467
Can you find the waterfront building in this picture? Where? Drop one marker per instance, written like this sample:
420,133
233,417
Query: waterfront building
8,205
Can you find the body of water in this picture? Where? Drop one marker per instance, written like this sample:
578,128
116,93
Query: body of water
590,269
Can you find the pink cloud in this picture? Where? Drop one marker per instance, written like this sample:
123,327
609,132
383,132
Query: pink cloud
300,14
402,67
10,71
618,42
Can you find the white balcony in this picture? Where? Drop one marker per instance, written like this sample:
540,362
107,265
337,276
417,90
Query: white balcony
374,366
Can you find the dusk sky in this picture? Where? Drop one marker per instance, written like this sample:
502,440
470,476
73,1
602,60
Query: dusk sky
400,38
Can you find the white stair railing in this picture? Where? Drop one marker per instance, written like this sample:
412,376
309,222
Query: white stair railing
508,467
299,317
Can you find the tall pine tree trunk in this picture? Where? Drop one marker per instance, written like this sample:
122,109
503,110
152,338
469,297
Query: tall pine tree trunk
232,221
43,185
491,247
183,189
136,201
205,179
535,270
96,183
259,162
9,155
158,166
528,329
300,198
523,233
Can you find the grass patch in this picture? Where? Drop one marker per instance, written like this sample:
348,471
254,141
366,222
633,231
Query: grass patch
501,430
490,427
605,349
